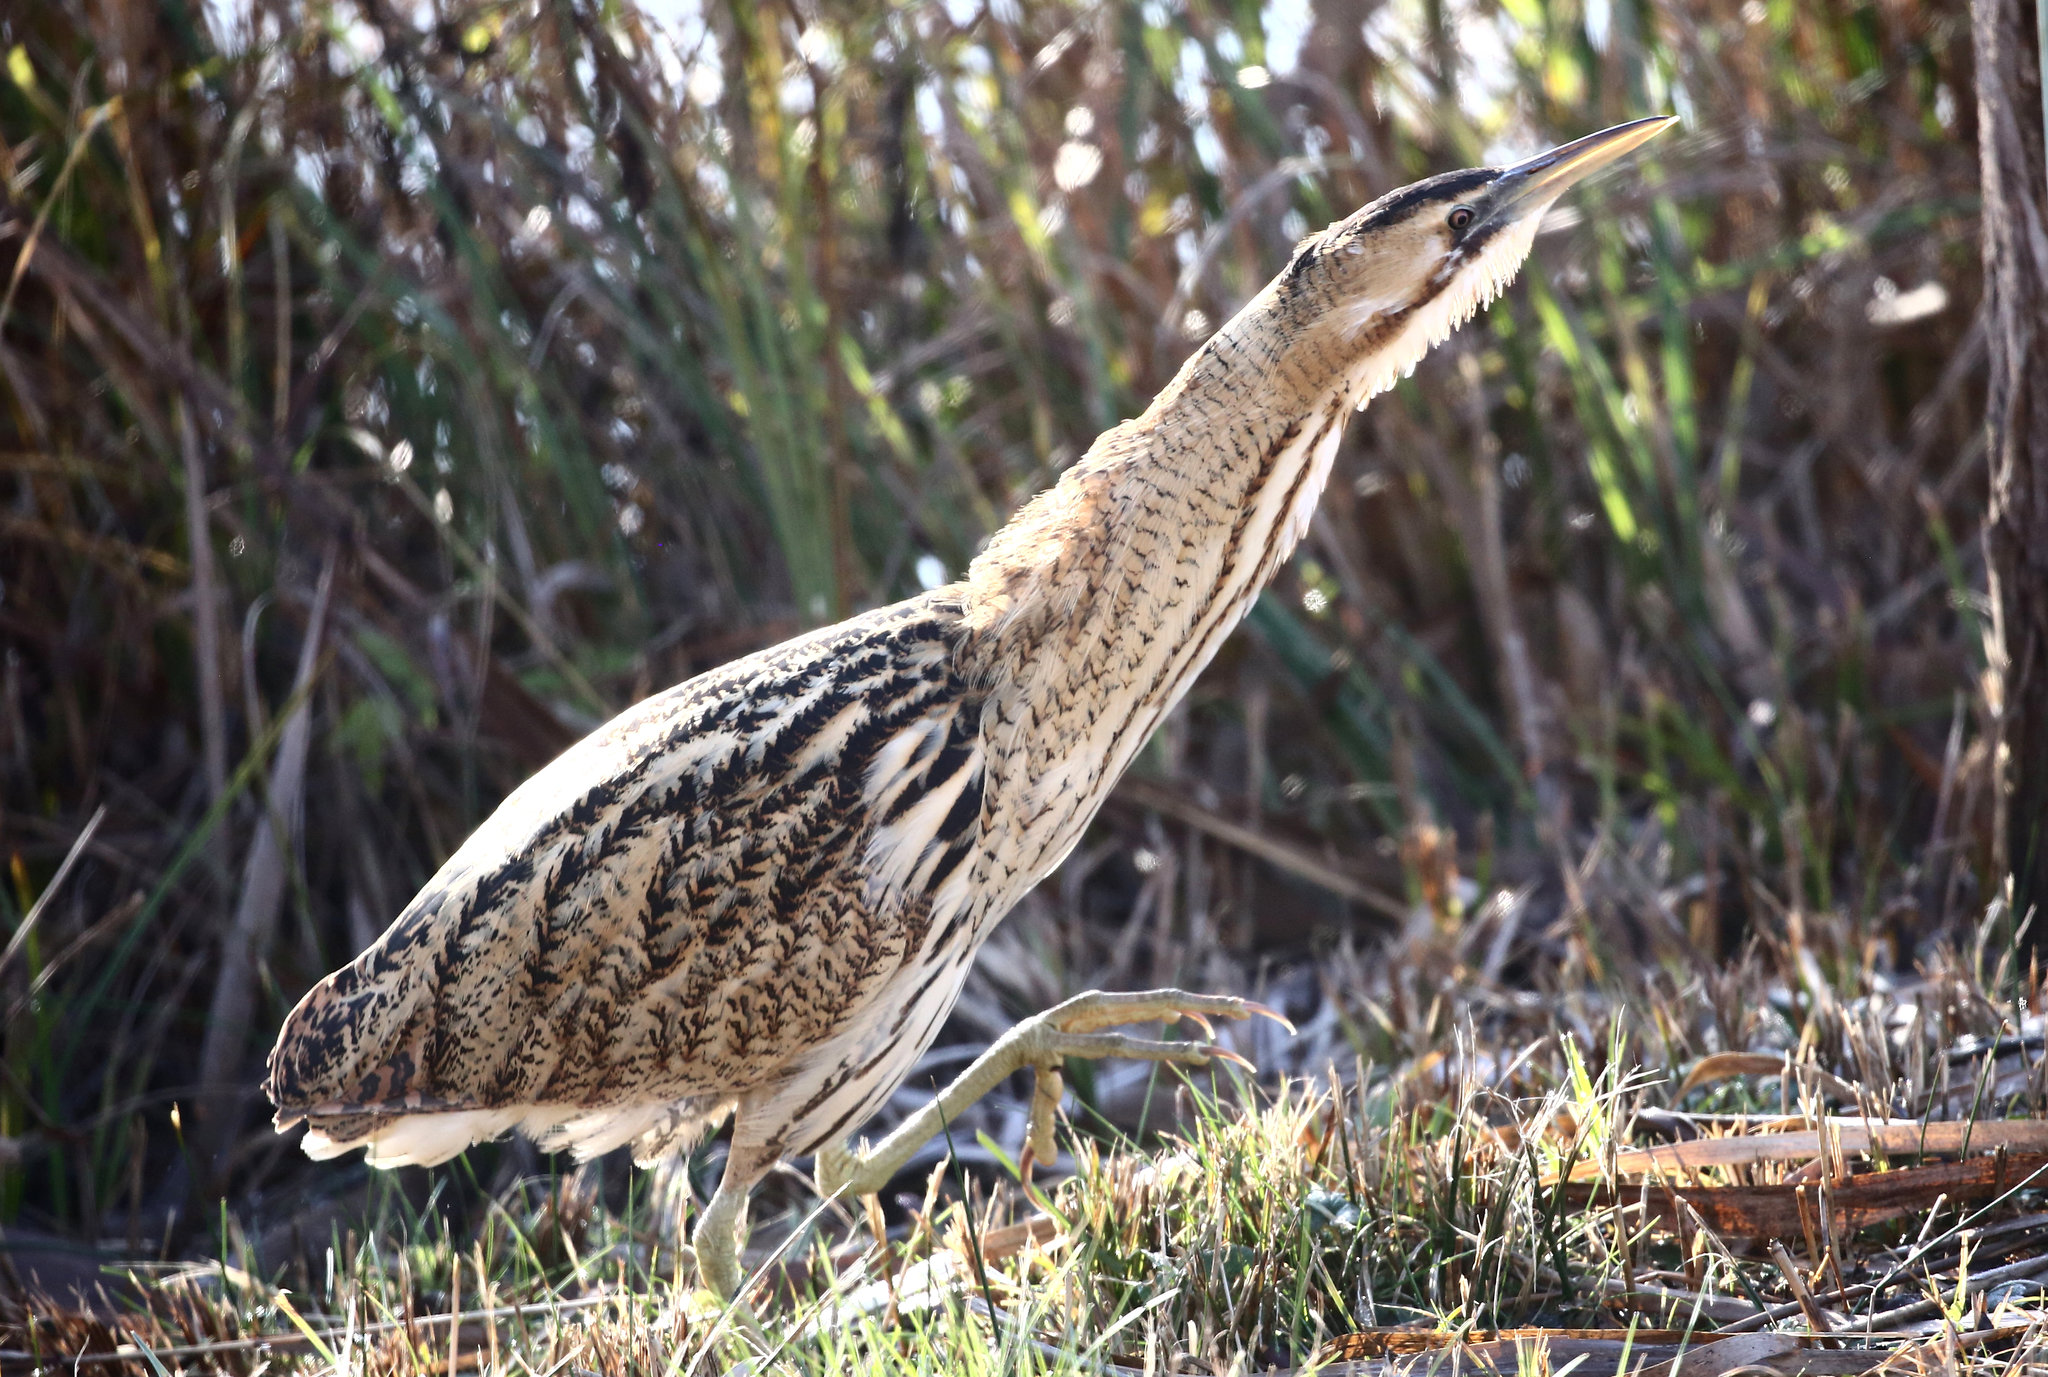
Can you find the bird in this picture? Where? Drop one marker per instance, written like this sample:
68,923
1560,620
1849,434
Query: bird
756,895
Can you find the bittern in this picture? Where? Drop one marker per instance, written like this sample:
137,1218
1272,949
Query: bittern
758,893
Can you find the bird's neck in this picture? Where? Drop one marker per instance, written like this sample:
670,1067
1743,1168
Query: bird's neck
1091,612
1172,522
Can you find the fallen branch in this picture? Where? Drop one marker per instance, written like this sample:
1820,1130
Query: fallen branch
1842,1135
1854,1203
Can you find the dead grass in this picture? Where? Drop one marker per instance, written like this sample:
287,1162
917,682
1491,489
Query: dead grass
1858,1179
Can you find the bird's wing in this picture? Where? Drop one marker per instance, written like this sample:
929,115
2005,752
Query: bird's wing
712,882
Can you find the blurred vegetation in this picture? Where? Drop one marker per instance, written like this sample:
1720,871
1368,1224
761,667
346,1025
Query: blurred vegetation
390,393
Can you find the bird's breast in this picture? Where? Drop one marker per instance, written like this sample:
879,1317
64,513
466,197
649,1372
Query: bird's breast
1143,604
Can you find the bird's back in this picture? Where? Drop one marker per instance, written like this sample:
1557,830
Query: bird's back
668,914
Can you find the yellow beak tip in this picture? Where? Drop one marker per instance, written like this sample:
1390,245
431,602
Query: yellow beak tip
1550,173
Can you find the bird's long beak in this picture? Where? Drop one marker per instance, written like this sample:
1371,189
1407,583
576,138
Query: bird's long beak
1534,183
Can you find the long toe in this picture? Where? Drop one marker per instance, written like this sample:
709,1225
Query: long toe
1085,1013
1095,1046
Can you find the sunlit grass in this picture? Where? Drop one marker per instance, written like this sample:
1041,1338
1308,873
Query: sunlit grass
1466,1188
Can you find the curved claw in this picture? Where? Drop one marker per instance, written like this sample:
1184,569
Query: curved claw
1266,1011
1225,1054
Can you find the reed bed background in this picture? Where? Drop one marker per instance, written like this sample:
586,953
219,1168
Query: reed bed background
393,392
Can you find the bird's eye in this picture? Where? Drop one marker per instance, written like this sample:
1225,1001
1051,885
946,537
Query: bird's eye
1461,216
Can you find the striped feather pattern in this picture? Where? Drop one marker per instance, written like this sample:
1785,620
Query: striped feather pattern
673,912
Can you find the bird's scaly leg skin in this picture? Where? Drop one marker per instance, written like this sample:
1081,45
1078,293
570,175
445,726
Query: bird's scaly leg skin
722,1228
716,1239
1042,1043
1048,1085
715,1248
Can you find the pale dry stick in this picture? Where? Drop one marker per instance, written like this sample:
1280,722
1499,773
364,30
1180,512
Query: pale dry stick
1802,1294
1847,1135
1773,1313
262,892
255,712
110,921
225,172
484,1291
1944,1348
1716,1308
35,911
213,716
1973,1285
455,1304
1824,1197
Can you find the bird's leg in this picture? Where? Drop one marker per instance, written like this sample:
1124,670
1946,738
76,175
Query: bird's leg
1042,1043
717,1237
716,1240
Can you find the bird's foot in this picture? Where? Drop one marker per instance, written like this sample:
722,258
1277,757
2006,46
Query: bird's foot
1070,1030
718,1272
717,1310
720,1235
1043,1043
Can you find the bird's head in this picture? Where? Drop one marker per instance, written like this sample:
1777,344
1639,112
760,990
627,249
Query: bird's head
1378,289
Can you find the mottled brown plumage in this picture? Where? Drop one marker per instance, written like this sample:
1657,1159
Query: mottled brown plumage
759,891
603,945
